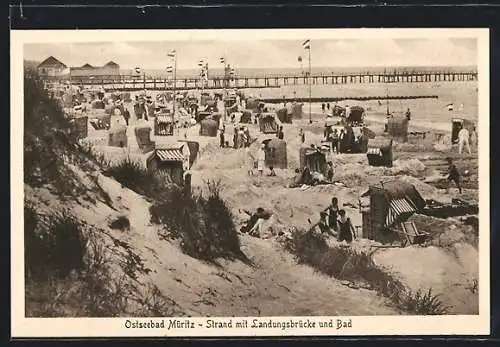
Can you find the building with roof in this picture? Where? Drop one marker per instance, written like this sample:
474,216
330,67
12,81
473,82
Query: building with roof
52,67
110,69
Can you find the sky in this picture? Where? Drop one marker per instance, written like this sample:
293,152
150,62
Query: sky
264,53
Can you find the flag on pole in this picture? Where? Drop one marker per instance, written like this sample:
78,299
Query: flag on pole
306,44
171,54
222,60
170,69
231,72
138,70
200,63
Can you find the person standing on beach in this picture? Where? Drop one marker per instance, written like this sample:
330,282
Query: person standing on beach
247,136
330,172
235,138
137,108
342,141
261,159
281,134
453,174
328,106
473,137
347,112
346,230
463,140
302,136
408,114
333,211
335,141
289,109
221,137
323,107
126,115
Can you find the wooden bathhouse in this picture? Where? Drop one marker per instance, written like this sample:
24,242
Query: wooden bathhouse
164,125
143,137
276,154
268,124
209,127
397,128
117,136
356,116
379,152
79,127
297,112
314,159
391,204
246,117
170,159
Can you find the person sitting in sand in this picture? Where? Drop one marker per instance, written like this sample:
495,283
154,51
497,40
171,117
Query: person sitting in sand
318,178
296,180
307,177
321,227
254,224
322,224
271,169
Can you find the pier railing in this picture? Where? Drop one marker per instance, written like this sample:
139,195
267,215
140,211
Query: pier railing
134,82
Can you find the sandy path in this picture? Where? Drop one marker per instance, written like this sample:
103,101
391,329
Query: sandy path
273,285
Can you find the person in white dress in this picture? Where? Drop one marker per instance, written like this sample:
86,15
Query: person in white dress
261,159
463,140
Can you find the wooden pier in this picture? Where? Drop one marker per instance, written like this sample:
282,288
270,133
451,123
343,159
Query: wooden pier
359,98
133,83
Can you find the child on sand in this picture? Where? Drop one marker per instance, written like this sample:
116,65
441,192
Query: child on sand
302,136
346,230
333,210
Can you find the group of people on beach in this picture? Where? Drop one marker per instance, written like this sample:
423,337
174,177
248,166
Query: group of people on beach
335,222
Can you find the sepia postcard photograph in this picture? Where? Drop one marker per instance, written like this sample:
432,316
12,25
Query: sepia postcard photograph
250,182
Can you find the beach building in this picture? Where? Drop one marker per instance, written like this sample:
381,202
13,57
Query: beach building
110,69
391,205
52,67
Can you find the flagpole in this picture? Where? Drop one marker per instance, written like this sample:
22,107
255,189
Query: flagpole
175,87
200,63
224,85
310,92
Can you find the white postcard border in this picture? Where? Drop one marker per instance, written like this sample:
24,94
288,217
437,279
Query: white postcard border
361,325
